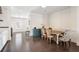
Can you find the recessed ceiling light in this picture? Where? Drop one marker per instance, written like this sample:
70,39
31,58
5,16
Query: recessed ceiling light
43,6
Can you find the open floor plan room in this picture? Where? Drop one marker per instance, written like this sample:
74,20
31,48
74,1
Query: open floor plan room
30,44
39,29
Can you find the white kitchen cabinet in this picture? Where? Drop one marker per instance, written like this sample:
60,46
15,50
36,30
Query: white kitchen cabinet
1,44
4,36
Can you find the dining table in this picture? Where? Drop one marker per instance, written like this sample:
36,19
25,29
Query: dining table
57,33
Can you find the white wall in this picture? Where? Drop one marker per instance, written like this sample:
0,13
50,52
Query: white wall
77,19
19,24
77,26
45,20
36,20
67,19
5,16
63,19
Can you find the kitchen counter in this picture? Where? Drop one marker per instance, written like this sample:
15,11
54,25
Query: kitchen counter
4,36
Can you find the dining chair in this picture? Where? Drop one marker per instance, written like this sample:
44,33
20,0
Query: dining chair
49,34
43,33
66,38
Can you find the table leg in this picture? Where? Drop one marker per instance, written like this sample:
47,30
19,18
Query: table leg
57,39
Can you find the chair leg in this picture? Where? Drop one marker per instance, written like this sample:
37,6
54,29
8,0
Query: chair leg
49,40
64,44
69,43
42,38
61,43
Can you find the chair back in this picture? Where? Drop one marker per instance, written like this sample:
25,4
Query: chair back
49,31
67,35
43,31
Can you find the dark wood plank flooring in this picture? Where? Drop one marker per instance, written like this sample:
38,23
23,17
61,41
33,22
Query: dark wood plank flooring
22,43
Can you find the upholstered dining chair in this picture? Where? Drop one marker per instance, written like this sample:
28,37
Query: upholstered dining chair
66,38
49,34
43,33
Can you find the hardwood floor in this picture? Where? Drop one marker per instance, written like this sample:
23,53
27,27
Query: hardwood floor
21,43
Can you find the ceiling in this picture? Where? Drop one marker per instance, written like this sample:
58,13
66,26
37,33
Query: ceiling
49,9
23,10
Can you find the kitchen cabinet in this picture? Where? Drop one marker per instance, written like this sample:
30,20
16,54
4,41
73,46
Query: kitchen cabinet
4,37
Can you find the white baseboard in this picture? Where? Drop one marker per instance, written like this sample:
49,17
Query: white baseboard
77,43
